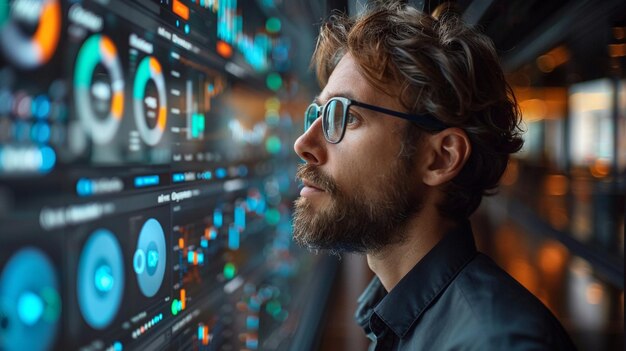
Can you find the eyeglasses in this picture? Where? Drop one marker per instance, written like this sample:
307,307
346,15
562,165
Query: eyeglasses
335,117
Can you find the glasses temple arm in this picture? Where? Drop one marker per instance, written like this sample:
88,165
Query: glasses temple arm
425,120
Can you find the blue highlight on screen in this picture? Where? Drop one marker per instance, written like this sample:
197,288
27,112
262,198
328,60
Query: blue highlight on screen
178,177
104,278
40,132
40,107
240,217
212,234
256,205
233,237
252,344
48,159
252,322
146,181
153,258
117,346
30,308
218,218
221,173
156,319
139,261
207,175
84,187
254,305
199,255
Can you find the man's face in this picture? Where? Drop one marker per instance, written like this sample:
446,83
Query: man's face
358,193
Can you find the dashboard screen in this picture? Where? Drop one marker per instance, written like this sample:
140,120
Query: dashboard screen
147,179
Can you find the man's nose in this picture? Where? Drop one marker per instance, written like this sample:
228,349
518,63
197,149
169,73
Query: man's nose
311,146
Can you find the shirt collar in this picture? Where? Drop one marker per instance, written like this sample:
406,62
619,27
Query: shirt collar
416,291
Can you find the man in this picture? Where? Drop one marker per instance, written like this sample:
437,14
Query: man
415,123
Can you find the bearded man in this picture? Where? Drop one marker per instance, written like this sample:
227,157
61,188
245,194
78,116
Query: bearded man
414,124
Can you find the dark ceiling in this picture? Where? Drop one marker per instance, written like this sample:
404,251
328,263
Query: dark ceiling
522,30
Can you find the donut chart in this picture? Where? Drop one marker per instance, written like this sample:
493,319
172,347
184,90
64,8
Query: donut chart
149,258
99,102
100,280
43,17
30,304
148,107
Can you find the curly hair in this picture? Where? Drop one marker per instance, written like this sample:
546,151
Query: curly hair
437,65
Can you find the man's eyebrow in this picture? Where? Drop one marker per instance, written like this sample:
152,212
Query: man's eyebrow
345,94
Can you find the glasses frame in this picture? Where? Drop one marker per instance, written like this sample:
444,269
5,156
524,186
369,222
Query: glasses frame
425,120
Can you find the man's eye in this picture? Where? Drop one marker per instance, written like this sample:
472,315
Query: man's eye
352,119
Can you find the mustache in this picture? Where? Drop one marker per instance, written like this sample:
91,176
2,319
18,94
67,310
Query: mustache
319,178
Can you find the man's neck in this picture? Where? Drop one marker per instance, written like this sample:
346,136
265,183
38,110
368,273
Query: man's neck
422,232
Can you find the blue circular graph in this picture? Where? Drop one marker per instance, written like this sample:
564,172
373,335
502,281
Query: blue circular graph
100,281
149,258
30,304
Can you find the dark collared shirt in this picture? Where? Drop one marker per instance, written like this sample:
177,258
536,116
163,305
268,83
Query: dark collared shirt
457,299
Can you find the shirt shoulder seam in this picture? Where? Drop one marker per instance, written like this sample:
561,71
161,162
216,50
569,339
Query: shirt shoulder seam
440,291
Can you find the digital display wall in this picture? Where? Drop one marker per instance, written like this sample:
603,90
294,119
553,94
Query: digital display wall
140,206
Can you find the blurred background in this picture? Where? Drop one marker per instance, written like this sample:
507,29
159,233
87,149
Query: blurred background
147,173
557,224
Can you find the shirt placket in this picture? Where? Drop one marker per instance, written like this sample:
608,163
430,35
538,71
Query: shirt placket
383,337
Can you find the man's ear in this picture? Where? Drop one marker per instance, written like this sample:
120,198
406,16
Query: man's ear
448,151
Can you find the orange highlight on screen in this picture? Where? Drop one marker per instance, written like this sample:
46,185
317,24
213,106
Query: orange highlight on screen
108,48
117,105
223,49
180,9
162,119
181,243
205,335
183,303
155,65
47,34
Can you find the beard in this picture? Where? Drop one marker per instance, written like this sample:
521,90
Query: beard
356,222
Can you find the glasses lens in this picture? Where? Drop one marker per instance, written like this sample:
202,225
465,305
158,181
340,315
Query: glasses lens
310,116
333,121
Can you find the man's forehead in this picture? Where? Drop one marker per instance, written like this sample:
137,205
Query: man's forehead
347,81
